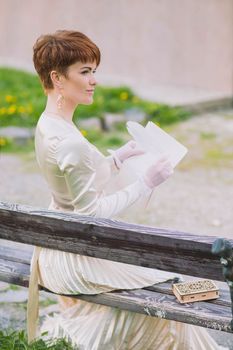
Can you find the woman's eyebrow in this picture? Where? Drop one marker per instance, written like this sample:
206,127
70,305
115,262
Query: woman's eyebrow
88,68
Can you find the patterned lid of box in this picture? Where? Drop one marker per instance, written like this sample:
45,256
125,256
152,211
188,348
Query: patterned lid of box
193,287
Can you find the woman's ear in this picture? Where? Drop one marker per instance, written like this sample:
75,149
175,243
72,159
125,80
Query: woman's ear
56,79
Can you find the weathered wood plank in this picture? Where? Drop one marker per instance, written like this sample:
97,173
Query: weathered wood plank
113,240
13,254
14,272
165,306
20,255
154,303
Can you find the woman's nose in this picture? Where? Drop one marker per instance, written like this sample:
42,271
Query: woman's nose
93,80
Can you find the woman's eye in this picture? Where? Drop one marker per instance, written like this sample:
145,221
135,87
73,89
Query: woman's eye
87,71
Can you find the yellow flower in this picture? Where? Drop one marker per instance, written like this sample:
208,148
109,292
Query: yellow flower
10,98
2,141
84,132
124,95
21,109
3,111
11,109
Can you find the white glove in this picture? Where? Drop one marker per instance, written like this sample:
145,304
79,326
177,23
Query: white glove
130,149
158,172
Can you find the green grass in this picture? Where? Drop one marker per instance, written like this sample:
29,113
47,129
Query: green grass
13,287
218,155
47,302
8,145
102,140
209,157
11,340
207,135
22,100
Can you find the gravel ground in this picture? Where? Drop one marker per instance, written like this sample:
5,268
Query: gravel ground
197,198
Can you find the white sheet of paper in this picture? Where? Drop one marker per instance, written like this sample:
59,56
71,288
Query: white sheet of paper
156,142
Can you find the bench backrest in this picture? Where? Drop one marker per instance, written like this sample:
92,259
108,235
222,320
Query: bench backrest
146,246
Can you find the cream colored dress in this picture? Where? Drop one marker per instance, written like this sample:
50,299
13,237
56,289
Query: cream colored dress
77,174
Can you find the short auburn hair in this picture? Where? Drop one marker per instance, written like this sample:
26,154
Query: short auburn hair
60,50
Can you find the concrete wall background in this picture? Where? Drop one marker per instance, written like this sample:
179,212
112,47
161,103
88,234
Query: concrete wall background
162,48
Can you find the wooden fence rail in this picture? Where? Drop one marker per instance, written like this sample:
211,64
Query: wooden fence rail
146,246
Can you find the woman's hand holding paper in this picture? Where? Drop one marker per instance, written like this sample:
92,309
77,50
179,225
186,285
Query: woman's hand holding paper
158,172
130,149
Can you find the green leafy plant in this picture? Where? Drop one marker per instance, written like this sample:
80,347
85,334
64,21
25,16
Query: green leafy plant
12,340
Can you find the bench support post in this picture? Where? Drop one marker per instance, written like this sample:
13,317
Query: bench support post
223,248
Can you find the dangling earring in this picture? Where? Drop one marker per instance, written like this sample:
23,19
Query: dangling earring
60,101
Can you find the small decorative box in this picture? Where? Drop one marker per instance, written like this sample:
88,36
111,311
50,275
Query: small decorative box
188,292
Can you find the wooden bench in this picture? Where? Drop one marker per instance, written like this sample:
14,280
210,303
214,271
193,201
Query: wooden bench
166,250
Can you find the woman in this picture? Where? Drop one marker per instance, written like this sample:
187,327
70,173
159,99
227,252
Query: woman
77,173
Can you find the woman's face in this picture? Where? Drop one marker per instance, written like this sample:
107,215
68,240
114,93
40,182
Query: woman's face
78,87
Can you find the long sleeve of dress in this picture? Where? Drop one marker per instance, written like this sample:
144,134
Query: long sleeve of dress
75,160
